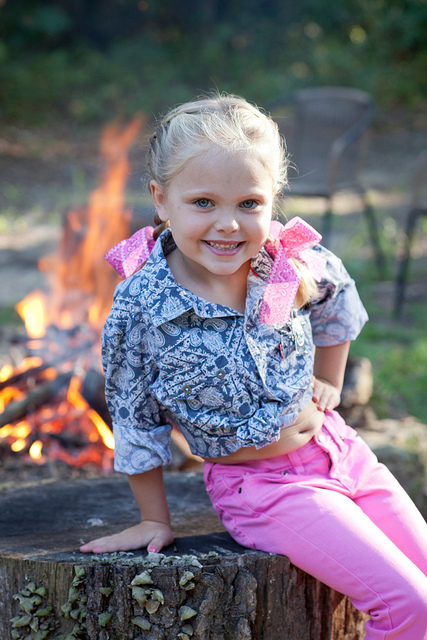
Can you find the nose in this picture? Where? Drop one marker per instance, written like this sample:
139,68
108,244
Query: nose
226,222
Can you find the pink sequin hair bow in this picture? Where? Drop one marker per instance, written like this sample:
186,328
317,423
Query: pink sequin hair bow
292,240
131,253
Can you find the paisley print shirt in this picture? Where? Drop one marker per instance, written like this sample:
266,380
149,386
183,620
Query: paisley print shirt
224,378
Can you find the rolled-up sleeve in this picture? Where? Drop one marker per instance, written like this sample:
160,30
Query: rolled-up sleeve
337,314
142,436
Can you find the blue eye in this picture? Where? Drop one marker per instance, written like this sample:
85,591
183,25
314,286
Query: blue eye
203,203
249,204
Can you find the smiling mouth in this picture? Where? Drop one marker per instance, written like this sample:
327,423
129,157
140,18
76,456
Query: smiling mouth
222,246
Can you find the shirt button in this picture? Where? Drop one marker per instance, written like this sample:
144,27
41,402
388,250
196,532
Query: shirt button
186,388
248,327
220,374
321,438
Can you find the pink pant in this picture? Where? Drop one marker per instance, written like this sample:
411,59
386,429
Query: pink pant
340,516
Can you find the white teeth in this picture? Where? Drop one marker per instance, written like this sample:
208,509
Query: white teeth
217,245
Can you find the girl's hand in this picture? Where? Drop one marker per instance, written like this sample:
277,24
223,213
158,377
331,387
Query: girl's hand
148,533
325,395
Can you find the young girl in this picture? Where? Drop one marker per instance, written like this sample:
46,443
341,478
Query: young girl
237,329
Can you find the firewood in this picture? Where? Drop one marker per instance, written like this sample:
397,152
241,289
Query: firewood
23,376
93,393
33,399
34,372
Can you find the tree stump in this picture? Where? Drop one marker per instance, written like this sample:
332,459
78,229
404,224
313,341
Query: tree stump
204,587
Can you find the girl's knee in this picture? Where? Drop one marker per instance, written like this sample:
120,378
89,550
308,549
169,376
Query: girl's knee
410,608
399,607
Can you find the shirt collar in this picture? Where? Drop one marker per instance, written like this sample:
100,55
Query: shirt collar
166,299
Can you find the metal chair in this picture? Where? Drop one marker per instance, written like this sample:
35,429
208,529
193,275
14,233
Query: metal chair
418,208
326,142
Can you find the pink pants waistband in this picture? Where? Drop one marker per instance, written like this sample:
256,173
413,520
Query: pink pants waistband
330,439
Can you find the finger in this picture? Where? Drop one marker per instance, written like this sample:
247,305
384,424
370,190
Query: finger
324,403
127,540
318,395
317,392
103,545
331,402
322,400
98,545
160,540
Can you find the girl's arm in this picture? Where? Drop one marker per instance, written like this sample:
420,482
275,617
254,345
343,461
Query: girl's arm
329,369
154,531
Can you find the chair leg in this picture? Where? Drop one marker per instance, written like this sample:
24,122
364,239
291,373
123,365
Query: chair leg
368,211
402,273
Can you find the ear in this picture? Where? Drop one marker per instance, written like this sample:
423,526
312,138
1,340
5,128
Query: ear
159,199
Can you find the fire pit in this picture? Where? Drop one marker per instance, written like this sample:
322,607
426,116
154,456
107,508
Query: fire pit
52,406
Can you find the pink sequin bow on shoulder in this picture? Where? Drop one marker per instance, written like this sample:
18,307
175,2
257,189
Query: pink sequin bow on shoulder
294,241
291,241
129,254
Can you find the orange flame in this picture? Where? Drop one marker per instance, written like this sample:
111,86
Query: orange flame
82,281
32,311
27,363
103,430
35,450
18,445
8,394
76,399
81,289
5,372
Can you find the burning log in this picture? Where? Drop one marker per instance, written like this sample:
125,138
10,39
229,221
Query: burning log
34,399
93,393
35,372
64,427
22,376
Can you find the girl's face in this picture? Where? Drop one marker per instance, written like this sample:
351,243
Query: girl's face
219,208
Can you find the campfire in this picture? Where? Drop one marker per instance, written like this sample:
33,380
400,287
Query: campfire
52,405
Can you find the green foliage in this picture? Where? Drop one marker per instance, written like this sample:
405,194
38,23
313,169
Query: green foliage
399,357
8,316
94,59
397,348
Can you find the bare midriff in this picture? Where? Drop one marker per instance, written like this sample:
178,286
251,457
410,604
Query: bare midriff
308,424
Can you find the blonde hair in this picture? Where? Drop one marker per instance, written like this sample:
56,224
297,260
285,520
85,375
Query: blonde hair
308,288
227,122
